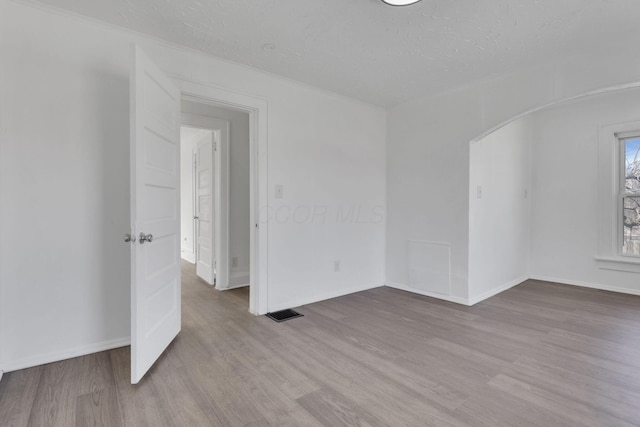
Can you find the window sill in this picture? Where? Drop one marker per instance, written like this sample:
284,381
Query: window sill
619,263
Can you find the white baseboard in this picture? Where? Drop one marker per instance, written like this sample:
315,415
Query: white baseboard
511,284
321,297
237,279
436,295
587,285
496,290
233,287
30,362
188,256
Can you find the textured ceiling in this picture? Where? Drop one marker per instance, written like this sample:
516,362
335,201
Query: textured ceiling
377,53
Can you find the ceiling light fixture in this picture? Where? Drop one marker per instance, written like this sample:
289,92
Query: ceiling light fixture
400,2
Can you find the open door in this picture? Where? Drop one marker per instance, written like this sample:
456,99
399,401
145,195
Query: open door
155,213
205,210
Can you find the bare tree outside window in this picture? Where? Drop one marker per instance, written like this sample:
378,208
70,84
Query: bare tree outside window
631,197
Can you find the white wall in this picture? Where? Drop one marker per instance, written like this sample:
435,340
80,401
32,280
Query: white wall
239,221
428,185
564,192
428,153
64,186
499,209
64,182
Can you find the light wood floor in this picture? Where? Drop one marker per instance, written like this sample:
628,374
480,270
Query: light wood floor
539,354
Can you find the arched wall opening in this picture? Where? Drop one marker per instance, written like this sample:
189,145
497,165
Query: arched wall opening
534,201
428,155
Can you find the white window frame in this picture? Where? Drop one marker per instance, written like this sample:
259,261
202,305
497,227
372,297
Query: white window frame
610,193
622,185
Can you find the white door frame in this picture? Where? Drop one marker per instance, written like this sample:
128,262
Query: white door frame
220,127
257,109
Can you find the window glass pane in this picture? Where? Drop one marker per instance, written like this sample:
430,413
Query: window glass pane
632,165
631,228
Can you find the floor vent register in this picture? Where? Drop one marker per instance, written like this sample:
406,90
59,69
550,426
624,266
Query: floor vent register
282,315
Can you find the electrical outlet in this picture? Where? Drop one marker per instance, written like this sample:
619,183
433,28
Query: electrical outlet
336,266
279,191
234,261
479,192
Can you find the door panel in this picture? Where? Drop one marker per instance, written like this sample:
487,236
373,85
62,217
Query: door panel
155,211
205,252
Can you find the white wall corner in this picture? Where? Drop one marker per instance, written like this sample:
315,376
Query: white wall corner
495,291
300,301
587,285
450,298
188,256
238,279
233,287
42,359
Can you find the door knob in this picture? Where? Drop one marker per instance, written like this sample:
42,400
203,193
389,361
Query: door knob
145,238
129,238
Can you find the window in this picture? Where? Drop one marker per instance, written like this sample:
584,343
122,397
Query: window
630,194
619,197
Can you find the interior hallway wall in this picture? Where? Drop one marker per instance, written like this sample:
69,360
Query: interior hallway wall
239,197
499,209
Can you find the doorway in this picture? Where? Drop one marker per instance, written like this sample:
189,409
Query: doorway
155,203
215,194
257,109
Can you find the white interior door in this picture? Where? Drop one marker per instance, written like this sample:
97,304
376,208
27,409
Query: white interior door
155,213
205,210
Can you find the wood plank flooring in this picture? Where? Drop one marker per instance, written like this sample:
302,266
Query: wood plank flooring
540,354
